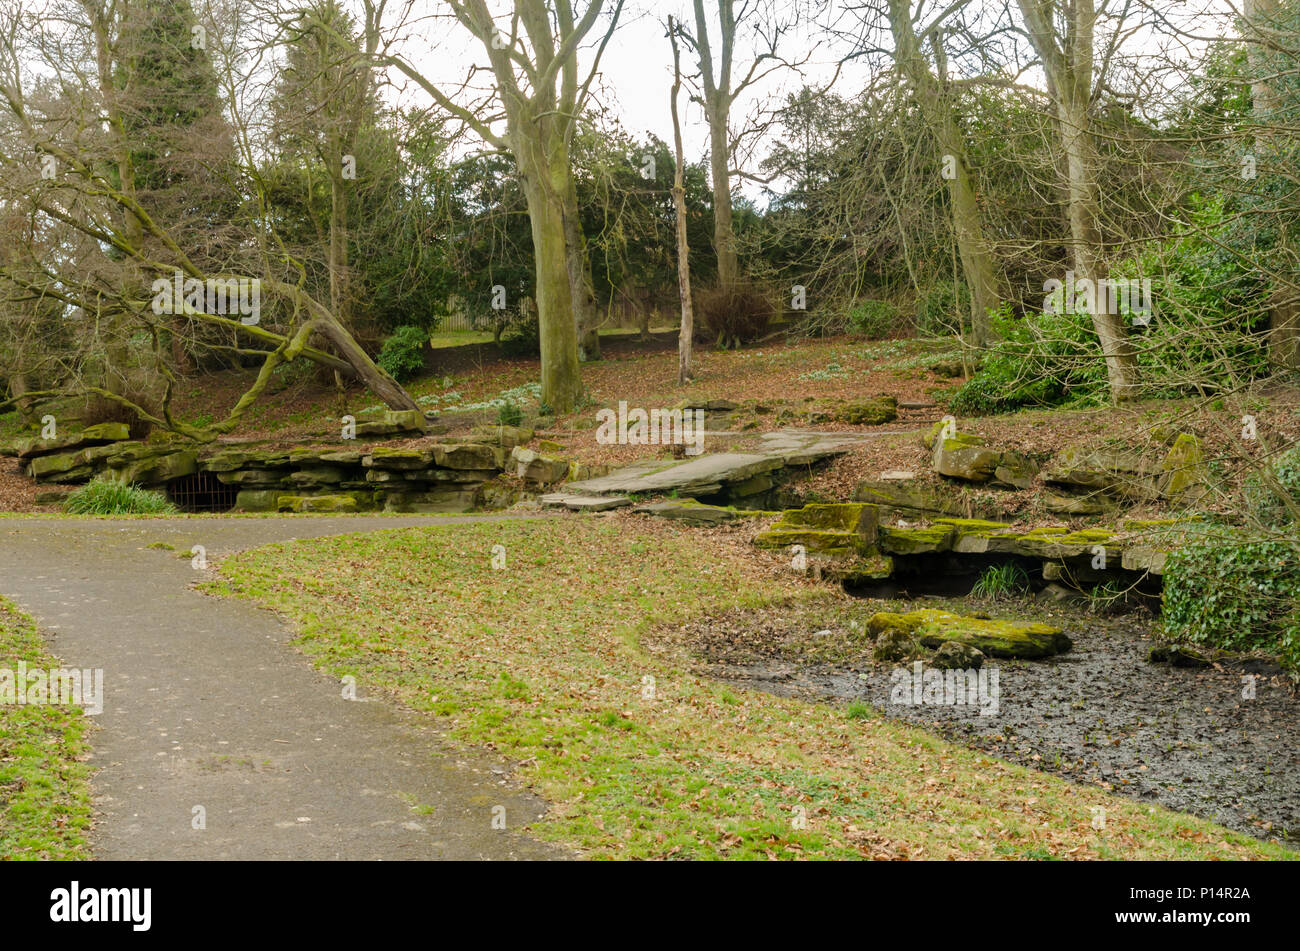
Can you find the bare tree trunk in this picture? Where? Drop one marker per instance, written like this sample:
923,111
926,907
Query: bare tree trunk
544,184
685,336
718,97
1068,64
580,282
724,229
1284,309
973,247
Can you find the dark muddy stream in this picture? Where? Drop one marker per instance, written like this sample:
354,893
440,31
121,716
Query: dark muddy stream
1221,742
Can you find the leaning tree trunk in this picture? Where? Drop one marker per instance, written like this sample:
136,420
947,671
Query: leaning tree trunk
977,261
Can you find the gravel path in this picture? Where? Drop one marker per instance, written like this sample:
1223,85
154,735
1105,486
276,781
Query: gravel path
207,705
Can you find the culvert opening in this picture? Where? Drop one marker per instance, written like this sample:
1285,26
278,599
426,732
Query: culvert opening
950,575
201,492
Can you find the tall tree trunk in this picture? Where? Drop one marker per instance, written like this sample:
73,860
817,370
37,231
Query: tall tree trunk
1284,309
580,282
973,247
1086,249
685,339
724,233
544,179
1068,64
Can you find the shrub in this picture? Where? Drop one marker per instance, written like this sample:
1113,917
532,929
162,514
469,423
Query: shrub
1038,361
873,319
106,497
402,355
735,315
509,414
1235,592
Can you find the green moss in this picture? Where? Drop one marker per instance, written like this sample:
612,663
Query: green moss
841,517
1024,639
826,542
916,541
973,526
962,441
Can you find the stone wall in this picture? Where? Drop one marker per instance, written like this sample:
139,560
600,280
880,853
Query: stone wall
455,475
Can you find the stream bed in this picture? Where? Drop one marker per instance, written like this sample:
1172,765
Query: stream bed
1220,742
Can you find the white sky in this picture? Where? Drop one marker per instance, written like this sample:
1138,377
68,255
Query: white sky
636,71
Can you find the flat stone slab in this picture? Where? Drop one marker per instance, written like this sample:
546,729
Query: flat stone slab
692,512
707,474
584,503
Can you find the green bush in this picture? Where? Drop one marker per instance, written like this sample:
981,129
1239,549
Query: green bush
509,414
106,497
403,353
1236,592
1038,361
873,319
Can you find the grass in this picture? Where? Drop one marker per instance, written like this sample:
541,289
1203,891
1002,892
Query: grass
45,810
106,497
547,662
1006,580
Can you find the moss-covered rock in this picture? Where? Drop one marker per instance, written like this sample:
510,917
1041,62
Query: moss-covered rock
335,504
44,468
469,456
231,460
385,458
894,644
1183,469
1122,474
932,628
872,412
919,540
258,500
957,655
1014,470
536,469
966,457
907,498
829,529
90,436
155,469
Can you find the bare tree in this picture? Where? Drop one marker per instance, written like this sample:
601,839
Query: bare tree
685,336
534,63
1063,35
721,89
928,86
115,250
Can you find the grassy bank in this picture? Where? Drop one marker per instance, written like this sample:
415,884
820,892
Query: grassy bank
543,660
45,809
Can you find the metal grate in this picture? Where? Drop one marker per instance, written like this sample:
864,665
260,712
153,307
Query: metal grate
201,492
